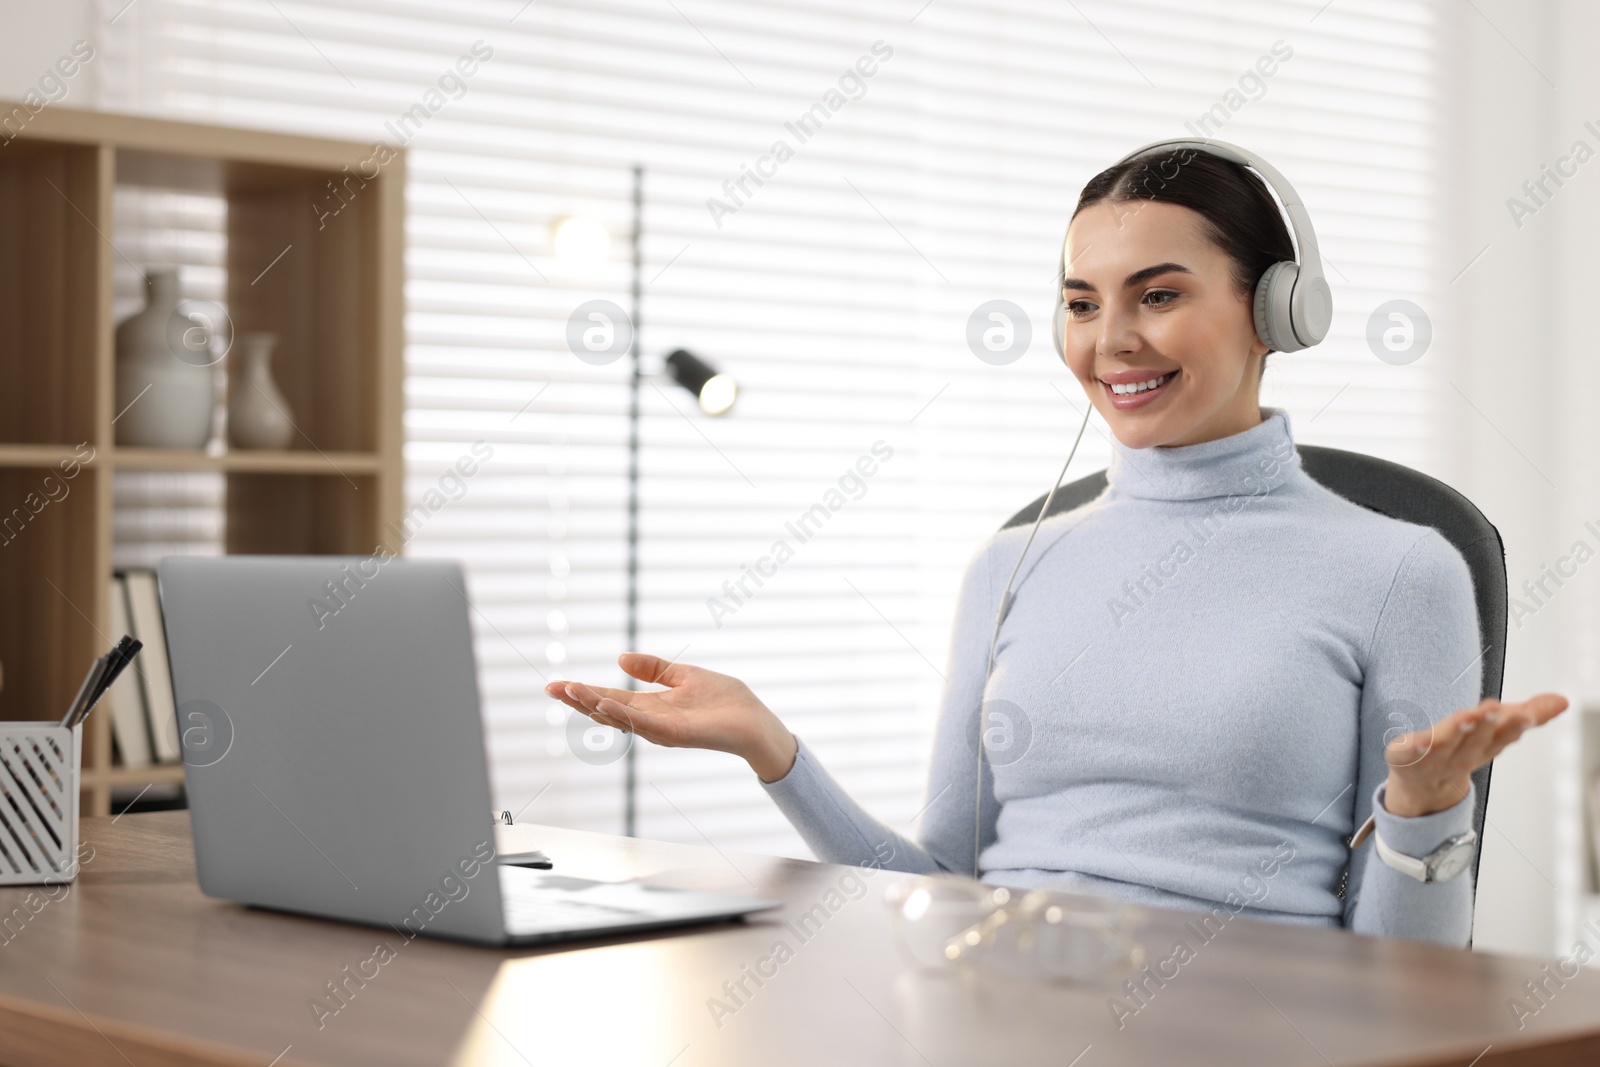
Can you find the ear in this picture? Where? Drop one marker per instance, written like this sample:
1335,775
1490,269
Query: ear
1258,348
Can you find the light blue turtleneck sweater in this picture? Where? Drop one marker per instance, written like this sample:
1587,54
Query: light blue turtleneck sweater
1190,700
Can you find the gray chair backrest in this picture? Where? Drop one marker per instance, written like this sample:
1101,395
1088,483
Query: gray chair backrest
1405,494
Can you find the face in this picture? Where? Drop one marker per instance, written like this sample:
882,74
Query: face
1151,299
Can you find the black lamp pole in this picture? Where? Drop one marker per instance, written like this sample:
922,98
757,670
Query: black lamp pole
629,763
694,374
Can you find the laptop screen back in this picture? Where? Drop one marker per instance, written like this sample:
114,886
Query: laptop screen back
333,746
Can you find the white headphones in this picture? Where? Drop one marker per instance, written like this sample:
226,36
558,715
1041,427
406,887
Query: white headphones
1293,305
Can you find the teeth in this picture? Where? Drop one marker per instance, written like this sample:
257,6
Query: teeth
1140,387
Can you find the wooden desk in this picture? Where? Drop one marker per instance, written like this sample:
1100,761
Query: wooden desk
135,966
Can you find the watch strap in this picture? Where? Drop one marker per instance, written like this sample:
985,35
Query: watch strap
1407,865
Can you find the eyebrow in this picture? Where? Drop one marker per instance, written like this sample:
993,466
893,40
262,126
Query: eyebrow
1133,279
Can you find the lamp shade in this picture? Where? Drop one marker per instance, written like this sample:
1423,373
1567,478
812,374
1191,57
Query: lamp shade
716,392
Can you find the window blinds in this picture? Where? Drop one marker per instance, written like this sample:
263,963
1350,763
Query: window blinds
837,289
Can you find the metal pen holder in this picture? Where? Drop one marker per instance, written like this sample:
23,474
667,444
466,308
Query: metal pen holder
39,770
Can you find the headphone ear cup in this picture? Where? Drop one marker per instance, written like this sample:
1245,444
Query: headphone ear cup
1272,307
1312,309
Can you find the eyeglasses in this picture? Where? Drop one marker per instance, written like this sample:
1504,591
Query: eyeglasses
951,924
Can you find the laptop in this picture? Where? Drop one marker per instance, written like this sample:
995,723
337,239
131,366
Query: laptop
333,747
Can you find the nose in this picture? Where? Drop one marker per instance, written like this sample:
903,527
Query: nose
1118,335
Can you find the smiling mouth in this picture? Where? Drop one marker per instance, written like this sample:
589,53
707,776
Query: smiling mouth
1135,388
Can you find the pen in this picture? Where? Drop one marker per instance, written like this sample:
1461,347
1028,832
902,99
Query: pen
101,674
88,680
119,658
103,668
95,670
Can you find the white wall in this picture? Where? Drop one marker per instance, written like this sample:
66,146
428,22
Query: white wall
1571,227
1517,335
33,35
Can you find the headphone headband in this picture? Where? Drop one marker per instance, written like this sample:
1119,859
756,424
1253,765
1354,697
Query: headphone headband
1305,238
1293,305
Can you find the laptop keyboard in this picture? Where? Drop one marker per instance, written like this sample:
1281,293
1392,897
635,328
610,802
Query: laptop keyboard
538,902
569,902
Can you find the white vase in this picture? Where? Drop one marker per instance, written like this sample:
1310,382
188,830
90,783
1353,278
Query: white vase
258,415
165,394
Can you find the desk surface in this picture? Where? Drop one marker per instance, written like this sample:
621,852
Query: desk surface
136,966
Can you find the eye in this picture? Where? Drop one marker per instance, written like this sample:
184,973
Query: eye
1161,297
1079,308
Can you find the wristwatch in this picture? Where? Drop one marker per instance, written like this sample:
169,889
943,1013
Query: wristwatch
1453,855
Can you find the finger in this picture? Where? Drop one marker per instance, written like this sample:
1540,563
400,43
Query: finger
561,694
589,695
1441,742
616,724
648,668
1507,730
596,704
558,689
1477,747
572,705
1506,719
1539,709
602,719
608,712
1507,722
1503,739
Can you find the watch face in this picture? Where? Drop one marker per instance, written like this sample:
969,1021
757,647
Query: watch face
1453,862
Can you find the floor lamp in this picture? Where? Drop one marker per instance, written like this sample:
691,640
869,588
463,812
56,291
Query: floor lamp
715,393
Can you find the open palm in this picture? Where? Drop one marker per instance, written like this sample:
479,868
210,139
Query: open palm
699,709
1430,769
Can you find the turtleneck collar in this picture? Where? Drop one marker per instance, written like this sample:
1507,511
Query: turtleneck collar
1247,463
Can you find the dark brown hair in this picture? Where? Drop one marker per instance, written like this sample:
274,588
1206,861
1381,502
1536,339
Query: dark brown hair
1240,216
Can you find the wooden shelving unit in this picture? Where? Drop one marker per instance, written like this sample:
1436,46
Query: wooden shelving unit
333,294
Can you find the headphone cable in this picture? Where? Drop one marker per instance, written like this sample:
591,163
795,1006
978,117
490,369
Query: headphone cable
999,617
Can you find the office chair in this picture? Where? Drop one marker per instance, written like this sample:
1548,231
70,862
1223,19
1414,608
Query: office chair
1411,496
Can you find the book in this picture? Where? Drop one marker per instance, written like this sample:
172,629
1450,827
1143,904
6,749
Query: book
129,721
144,609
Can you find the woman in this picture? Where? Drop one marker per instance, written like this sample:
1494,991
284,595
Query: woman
1215,669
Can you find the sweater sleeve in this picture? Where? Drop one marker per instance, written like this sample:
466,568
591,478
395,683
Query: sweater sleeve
1423,663
839,830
